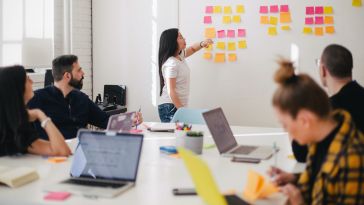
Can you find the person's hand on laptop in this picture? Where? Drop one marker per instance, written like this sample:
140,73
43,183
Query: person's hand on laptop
280,177
138,118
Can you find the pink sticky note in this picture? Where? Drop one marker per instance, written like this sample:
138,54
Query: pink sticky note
241,33
310,10
207,20
319,20
274,9
263,9
231,33
209,9
57,196
284,8
221,34
319,10
309,20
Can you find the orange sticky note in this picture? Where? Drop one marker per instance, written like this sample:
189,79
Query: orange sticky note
272,31
227,10
219,58
357,3
329,20
328,10
210,33
232,57
242,44
319,31
220,45
257,187
307,30
57,159
240,9
231,46
285,28
273,20
285,17
226,19
207,56
236,19
330,29
264,19
217,9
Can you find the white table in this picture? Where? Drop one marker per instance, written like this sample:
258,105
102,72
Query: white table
158,173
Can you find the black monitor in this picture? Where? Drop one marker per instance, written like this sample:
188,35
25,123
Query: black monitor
115,93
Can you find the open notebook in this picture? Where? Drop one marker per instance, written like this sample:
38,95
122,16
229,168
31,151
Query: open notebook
16,177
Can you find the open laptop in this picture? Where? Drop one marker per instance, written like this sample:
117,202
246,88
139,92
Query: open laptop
225,140
204,182
121,122
105,164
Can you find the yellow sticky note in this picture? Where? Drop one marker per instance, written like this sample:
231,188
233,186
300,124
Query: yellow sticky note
285,17
209,48
330,29
264,19
220,45
273,20
240,9
210,33
219,58
307,30
257,187
329,20
319,31
226,19
232,57
242,44
217,9
328,10
231,46
272,31
357,3
236,19
207,56
285,28
227,10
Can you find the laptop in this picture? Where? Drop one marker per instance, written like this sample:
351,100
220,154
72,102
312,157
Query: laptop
204,182
121,122
104,164
225,140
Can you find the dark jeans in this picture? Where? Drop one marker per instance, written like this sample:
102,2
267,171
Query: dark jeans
166,112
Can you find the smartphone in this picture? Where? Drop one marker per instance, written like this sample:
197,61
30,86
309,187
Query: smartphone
246,160
184,191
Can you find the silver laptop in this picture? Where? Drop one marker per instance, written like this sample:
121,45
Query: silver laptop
121,122
105,164
225,140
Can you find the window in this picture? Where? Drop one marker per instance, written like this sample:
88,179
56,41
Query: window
21,19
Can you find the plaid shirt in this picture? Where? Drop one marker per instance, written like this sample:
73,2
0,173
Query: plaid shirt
341,177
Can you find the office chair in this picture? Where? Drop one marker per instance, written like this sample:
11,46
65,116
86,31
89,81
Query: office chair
48,78
189,115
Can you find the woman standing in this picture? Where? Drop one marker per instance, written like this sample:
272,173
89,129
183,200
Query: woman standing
17,134
174,73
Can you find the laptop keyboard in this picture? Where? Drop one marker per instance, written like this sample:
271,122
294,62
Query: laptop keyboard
94,183
244,150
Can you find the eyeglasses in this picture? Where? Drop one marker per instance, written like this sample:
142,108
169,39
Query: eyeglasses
318,62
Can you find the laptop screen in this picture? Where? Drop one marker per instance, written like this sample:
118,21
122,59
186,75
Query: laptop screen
101,155
220,130
121,122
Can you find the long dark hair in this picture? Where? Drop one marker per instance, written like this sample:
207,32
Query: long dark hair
13,114
167,47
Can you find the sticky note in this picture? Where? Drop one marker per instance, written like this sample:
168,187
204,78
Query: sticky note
273,20
240,9
220,45
264,19
274,9
328,10
57,196
210,33
232,57
319,31
226,19
241,32
309,20
57,159
217,9
285,28
221,34
329,20
263,9
310,10
227,10
284,8
285,17
272,31
319,10
209,9
242,44
207,56
231,33
356,3
257,187
231,46
207,20
209,48
236,19
330,29
319,20
307,30
219,58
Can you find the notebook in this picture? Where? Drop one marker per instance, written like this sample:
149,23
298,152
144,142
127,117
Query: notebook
17,176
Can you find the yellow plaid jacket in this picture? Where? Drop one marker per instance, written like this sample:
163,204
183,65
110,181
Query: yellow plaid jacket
341,177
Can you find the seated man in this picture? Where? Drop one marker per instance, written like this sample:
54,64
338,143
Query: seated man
336,66
69,108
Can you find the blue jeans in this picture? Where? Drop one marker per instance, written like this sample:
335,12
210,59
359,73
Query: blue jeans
166,112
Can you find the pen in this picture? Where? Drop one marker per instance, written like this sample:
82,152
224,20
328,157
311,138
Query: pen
275,149
137,122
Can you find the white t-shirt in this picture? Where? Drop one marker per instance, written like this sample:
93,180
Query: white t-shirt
175,68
